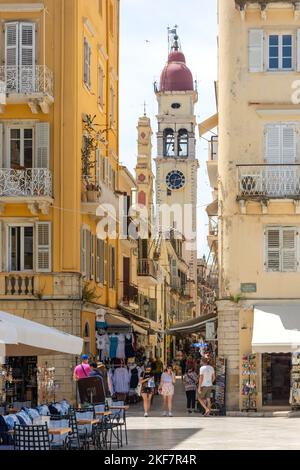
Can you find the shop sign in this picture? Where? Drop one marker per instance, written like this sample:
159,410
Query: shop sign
210,331
248,288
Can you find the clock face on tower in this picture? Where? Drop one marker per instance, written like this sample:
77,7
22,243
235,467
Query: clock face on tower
175,180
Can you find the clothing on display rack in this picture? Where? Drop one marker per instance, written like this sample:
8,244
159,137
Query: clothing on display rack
129,350
100,319
120,354
113,346
121,380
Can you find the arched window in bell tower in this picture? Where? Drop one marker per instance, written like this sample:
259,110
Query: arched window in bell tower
183,143
169,143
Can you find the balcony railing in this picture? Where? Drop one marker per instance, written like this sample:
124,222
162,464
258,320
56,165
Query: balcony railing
30,182
269,181
130,294
27,79
19,285
146,267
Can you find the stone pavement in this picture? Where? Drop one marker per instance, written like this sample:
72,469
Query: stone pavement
193,432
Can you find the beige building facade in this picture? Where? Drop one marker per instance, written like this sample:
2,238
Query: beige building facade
258,200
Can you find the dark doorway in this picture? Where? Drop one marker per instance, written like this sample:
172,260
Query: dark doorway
276,373
126,279
23,384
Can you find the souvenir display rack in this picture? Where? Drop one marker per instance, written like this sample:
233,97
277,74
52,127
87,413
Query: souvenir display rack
220,395
295,382
249,385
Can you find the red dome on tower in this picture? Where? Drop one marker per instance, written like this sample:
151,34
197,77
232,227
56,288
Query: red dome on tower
176,76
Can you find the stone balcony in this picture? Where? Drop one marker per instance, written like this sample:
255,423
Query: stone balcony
32,85
147,273
31,186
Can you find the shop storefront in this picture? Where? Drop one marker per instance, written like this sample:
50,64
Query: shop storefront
270,358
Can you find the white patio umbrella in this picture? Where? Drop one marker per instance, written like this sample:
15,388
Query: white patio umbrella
20,337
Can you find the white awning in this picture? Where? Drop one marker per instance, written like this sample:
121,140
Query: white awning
276,329
26,338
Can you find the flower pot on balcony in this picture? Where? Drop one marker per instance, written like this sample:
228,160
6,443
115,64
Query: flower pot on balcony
92,196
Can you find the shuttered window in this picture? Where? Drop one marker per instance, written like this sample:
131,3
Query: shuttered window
92,256
87,64
282,249
43,246
20,53
1,248
100,86
98,168
280,143
42,144
256,50
98,260
1,146
105,262
112,270
84,252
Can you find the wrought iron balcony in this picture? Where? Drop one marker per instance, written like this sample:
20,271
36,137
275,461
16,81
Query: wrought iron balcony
27,79
147,269
268,181
27,183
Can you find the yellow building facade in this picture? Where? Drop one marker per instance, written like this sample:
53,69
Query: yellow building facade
258,170
57,163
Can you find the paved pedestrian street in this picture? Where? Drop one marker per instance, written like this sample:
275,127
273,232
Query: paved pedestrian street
192,432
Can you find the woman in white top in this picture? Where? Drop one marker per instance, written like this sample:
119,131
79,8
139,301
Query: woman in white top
166,389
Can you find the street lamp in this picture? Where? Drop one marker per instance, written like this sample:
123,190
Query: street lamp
146,307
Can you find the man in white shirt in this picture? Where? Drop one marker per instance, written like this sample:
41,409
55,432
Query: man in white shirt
207,377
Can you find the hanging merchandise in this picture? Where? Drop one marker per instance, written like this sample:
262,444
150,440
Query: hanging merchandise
100,318
295,381
129,350
249,389
120,354
121,380
221,385
113,346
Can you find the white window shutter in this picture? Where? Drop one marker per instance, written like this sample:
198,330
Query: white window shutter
27,57
43,247
104,262
11,56
298,50
273,250
42,140
256,50
289,250
273,144
289,143
1,145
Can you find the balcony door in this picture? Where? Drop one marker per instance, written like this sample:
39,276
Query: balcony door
20,248
126,278
281,179
20,148
20,57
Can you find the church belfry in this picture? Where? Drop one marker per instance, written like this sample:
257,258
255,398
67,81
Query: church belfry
176,163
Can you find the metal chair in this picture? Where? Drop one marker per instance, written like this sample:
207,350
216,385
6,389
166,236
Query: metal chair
59,442
31,438
122,418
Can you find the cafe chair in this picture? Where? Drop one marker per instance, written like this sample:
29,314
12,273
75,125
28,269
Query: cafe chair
28,438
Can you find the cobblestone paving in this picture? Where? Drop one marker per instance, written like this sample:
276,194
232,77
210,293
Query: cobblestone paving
192,432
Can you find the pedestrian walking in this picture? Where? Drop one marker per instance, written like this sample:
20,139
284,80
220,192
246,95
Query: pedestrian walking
167,389
158,368
207,378
190,381
148,386
83,370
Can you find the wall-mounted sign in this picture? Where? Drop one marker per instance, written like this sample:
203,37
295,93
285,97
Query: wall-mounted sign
248,288
210,332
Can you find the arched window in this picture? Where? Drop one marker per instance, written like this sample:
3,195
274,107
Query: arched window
87,338
169,143
183,141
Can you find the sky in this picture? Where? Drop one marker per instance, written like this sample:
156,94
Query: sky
143,54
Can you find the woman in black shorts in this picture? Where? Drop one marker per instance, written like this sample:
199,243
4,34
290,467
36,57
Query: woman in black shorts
148,386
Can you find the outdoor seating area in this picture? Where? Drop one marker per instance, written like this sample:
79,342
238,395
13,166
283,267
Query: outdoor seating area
60,426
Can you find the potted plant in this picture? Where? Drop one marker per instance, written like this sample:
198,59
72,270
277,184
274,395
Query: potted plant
93,192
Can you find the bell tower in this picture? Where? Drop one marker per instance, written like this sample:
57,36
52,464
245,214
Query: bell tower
176,163
143,170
